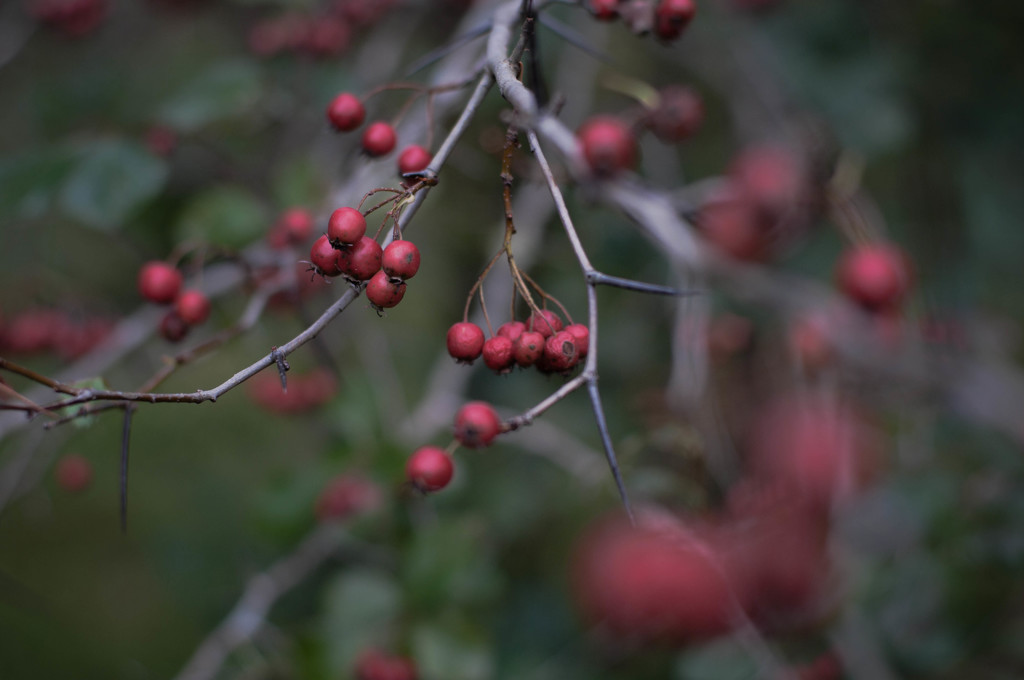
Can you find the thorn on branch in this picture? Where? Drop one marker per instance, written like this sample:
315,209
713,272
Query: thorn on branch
595,278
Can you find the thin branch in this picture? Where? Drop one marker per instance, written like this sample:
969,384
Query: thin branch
126,434
601,279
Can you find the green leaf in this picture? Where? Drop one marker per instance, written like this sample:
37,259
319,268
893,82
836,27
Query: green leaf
359,609
225,216
111,180
224,91
30,182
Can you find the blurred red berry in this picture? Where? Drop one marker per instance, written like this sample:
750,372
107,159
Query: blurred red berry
476,425
159,282
429,468
379,139
346,112
608,145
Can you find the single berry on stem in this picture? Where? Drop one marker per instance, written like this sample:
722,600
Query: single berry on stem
499,354
429,468
379,139
476,425
546,322
528,348
324,257
414,158
608,145
347,495
672,16
581,334
173,327
159,282
346,112
512,329
345,226
560,352
401,259
193,307
382,292
465,341
361,260
296,225
876,276
679,113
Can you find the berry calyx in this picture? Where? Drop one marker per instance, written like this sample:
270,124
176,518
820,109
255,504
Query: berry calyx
528,348
361,260
465,341
345,227
173,327
346,112
608,145
560,352
672,17
876,276
159,282
193,307
414,158
429,468
401,260
512,330
581,334
384,293
476,425
546,322
499,353
73,473
379,139
324,257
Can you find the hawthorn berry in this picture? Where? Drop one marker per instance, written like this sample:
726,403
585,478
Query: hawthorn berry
608,145
345,227
73,473
324,257
733,228
529,347
375,665
512,329
193,307
581,334
560,352
379,139
414,158
159,282
476,425
604,10
347,495
382,292
499,353
546,322
173,327
361,260
465,341
679,113
401,260
429,468
346,112
769,178
295,225
672,16
876,276
327,36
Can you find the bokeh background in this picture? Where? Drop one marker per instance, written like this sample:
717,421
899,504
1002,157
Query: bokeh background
147,125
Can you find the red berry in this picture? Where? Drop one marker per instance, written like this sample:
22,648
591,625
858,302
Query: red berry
546,323
581,334
560,352
401,259
608,145
413,158
346,112
345,226
73,473
769,178
733,228
379,139
159,282
375,665
429,468
465,341
327,36
605,10
528,348
173,327
499,354
347,495
296,224
476,425
876,276
383,292
361,260
672,16
324,257
512,330
193,307
679,114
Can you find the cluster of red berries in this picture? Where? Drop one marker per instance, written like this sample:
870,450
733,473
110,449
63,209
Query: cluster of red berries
161,283
305,391
327,34
348,495
74,18
541,341
667,18
431,468
373,664
45,330
346,250
346,113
